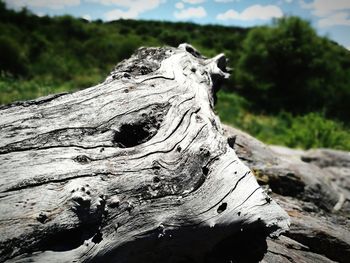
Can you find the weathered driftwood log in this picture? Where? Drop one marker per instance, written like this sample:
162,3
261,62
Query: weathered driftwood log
136,168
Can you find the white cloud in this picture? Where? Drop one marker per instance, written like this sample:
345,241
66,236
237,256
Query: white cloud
226,1
135,5
288,1
118,14
51,4
325,7
133,8
194,2
331,13
179,5
87,17
254,12
336,19
193,12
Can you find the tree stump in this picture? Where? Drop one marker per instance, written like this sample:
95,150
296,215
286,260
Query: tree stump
135,168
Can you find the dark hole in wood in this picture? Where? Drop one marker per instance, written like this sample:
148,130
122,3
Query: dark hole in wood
156,179
231,141
113,204
41,218
205,170
222,208
131,135
142,129
83,159
97,237
156,167
193,52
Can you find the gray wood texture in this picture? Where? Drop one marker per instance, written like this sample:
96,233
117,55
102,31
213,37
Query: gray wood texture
135,168
313,187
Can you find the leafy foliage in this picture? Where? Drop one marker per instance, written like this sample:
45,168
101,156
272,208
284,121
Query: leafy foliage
288,67
11,58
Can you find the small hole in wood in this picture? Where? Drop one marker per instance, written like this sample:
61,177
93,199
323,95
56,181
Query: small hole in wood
97,238
41,218
156,179
232,141
222,208
82,159
205,170
156,167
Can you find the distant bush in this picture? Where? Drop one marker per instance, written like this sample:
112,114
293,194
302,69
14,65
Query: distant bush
288,67
313,130
12,59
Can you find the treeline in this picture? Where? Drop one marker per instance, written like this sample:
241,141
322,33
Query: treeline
281,70
70,49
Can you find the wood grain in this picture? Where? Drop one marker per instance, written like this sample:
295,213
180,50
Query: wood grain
135,167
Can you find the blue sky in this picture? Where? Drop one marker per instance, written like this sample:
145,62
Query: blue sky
331,18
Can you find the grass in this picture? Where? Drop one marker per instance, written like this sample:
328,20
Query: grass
14,89
311,130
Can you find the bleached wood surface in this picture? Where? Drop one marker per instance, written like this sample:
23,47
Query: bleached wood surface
134,168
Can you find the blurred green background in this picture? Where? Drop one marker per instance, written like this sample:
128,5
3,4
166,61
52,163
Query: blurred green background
289,85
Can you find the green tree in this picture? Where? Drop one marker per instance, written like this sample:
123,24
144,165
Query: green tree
12,59
288,67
